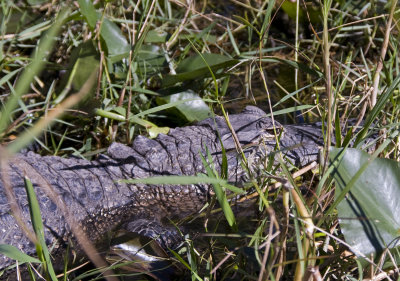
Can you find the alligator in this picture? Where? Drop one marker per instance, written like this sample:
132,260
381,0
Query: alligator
100,203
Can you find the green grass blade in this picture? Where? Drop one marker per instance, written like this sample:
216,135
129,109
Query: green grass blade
33,69
219,192
15,254
38,227
181,260
382,101
184,180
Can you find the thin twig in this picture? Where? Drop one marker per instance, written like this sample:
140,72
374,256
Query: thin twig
175,36
385,44
328,82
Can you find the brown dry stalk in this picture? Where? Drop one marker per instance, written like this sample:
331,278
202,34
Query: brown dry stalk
175,35
12,201
278,184
267,243
385,44
76,229
54,113
81,237
328,83
147,19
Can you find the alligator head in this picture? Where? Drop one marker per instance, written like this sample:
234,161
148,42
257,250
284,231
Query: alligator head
250,126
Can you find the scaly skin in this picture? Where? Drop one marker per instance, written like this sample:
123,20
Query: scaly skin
101,205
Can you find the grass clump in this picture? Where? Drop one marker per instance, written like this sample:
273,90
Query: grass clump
119,69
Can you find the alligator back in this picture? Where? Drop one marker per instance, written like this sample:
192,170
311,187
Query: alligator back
91,193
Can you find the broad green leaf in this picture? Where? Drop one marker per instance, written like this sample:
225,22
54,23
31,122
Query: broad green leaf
18,21
195,68
151,59
152,128
297,65
156,36
165,107
197,62
115,42
368,215
84,61
120,110
15,254
88,10
307,14
193,110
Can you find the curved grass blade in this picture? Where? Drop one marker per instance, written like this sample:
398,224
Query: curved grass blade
15,254
38,228
377,109
184,180
38,62
219,192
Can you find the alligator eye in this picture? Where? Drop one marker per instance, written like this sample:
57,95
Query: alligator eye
264,124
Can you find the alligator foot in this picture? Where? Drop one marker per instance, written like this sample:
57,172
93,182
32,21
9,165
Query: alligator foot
141,247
